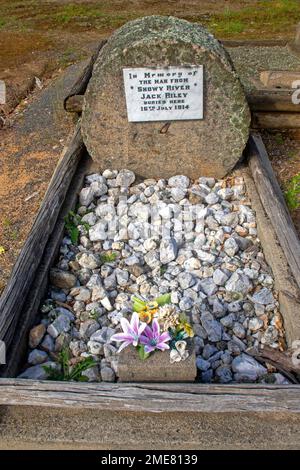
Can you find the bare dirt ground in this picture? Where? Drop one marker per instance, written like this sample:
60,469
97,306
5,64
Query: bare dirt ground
40,38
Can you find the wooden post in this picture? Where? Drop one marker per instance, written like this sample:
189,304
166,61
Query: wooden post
295,45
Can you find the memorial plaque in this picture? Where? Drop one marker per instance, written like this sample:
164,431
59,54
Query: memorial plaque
164,94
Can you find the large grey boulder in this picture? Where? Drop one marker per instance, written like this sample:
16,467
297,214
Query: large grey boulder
208,147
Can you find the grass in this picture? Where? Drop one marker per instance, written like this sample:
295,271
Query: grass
271,16
267,17
66,372
292,193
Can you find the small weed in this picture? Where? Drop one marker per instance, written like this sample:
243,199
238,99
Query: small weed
72,221
2,250
108,257
66,372
2,23
279,139
163,269
292,193
6,223
94,314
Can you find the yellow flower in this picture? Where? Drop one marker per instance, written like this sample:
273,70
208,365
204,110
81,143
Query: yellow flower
145,316
188,329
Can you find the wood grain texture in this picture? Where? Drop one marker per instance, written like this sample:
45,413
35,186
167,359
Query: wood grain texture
81,84
272,100
270,120
153,398
274,204
24,271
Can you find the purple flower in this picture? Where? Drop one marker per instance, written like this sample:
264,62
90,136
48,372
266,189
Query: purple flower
131,331
152,339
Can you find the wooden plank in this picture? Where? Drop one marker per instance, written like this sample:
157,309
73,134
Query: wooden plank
23,274
81,84
274,204
272,100
276,120
152,398
279,78
19,346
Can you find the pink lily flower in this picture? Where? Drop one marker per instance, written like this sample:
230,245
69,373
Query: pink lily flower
131,331
152,339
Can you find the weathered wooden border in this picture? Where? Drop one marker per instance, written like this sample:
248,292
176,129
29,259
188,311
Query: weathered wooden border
78,89
285,284
12,302
152,398
273,202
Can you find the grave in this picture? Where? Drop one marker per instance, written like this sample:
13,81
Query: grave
172,79
164,99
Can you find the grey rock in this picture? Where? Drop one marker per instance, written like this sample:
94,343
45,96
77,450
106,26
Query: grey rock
179,181
207,257
37,372
255,324
60,325
98,232
103,335
87,328
186,280
208,351
228,320
186,303
202,364
108,374
212,327
247,367
168,250
231,247
95,347
48,343
224,374
110,282
239,330
92,374
122,277
125,178
238,283
208,286
86,196
219,277
212,198
207,376
178,193
263,297
37,357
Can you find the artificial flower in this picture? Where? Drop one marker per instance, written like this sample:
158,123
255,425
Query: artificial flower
152,339
179,353
168,317
131,331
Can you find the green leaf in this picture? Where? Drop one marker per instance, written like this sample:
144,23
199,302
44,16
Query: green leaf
142,353
74,235
138,304
163,299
